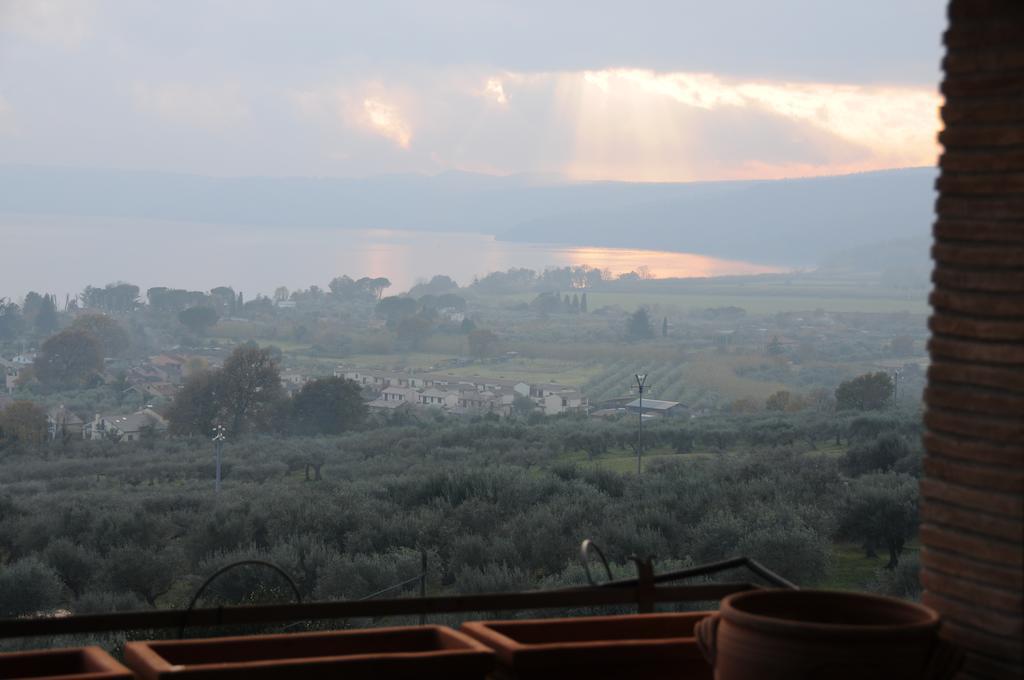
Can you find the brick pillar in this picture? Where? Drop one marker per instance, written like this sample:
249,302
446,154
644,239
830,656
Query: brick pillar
972,494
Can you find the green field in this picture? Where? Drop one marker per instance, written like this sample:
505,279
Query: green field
533,370
765,302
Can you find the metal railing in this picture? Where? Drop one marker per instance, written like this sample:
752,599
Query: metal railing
642,592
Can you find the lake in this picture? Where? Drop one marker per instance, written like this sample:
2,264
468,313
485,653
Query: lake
62,255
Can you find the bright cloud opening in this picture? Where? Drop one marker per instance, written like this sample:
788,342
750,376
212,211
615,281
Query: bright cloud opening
494,89
386,120
641,125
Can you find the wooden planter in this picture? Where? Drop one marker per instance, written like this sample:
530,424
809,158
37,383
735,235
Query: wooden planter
635,647
377,653
85,663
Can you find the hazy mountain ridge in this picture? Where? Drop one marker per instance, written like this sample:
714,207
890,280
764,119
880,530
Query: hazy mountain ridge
775,222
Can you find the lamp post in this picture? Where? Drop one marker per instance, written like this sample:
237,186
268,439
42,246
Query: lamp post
219,436
641,380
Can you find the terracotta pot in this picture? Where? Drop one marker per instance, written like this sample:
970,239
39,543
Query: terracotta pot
63,664
775,634
634,647
377,653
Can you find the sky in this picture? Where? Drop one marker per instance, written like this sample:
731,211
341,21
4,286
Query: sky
678,90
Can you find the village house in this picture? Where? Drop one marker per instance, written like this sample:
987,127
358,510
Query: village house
657,407
438,398
366,378
408,394
131,427
171,365
10,372
473,402
292,381
24,359
566,400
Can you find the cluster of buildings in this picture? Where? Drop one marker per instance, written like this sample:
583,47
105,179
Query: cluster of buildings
63,424
462,395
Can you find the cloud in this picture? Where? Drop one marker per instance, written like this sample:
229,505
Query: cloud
48,22
677,126
495,91
210,107
673,90
386,120
342,108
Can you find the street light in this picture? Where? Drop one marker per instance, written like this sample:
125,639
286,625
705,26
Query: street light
641,380
219,437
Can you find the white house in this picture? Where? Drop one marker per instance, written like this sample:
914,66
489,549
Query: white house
128,428
438,398
566,400
407,394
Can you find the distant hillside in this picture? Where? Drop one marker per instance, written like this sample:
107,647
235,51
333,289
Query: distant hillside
798,222
786,222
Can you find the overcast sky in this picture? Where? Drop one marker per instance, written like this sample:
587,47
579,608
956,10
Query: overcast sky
674,90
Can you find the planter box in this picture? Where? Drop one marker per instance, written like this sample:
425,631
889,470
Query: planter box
636,646
79,663
377,653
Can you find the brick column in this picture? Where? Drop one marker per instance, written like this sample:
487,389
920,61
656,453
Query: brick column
972,494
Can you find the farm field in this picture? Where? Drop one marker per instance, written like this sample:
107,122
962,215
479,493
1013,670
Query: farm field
766,302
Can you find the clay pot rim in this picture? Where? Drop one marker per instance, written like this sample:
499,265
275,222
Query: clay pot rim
816,629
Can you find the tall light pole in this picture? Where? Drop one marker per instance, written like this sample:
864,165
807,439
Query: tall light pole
641,380
219,436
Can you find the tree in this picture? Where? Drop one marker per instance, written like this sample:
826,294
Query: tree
482,343
46,318
28,587
413,329
378,285
523,406
40,313
865,392
328,406
75,565
198,319
116,298
146,573
879,455
111,335
196,406
12,325
881,510
250,386
639,326
23,421
224,297
583,303
69,359
436,286
779,401
393,309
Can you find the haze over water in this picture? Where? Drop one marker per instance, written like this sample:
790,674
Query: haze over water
63,255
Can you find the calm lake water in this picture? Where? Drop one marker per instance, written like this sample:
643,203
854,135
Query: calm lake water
61,255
